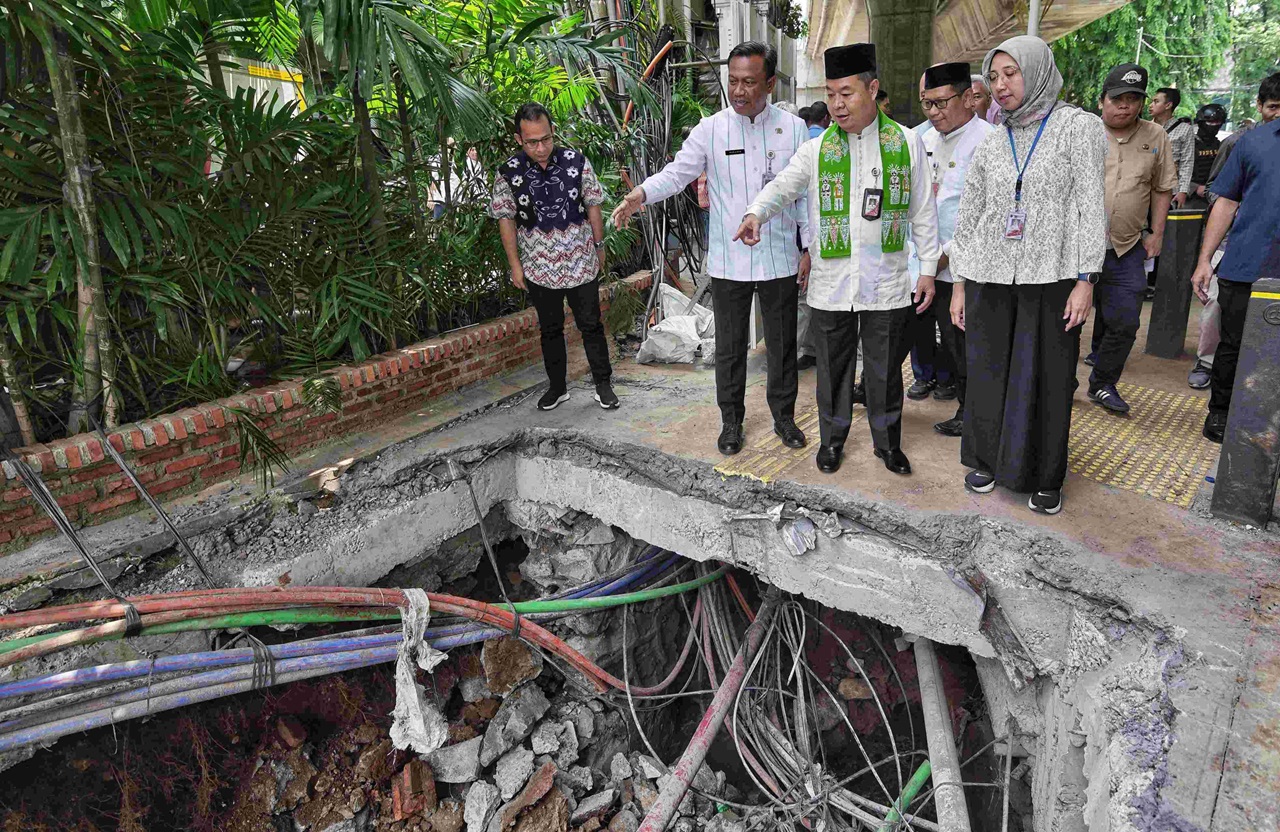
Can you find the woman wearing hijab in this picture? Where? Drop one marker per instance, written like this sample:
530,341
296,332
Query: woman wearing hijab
1030,239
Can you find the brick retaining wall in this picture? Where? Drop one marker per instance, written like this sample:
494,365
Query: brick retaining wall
191,449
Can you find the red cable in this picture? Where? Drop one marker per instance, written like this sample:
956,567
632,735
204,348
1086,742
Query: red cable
737,593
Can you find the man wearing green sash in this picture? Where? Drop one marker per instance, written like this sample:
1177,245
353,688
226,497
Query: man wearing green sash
868,180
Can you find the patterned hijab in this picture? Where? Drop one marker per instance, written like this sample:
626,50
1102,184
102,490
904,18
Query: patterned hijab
1042,83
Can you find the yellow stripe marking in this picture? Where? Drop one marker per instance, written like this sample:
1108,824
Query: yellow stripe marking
1186,217
1267,295
277,74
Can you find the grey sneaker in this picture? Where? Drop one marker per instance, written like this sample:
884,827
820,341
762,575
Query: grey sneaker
1200,376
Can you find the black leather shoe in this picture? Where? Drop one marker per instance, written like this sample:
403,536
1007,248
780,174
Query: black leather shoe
791,435
730,441
804,362
920,390
952,427
829,459
1215,426
860,393
895,460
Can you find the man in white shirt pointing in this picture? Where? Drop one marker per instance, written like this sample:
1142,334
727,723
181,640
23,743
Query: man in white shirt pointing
741,149
869,183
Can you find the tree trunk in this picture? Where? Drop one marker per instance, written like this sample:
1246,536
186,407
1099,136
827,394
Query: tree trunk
218,81
96,352
369,165
20,432
410,159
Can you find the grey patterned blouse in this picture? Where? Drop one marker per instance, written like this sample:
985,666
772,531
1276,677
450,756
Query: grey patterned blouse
1066,223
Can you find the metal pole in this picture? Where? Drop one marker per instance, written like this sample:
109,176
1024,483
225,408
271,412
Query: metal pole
1033,18
1137,58
948,794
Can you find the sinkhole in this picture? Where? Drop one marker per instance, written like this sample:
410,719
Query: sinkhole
880,674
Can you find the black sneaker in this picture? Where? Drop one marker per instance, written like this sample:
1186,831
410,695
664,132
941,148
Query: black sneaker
1091,359
1107,396
552,399
920,390
946,392
804,362
605,395
980,482
1046,502
860,393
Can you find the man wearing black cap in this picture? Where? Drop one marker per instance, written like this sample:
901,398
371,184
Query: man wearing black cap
1140,178
868,183
947,98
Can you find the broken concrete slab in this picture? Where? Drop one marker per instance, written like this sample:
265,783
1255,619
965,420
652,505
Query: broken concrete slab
593,806
619,768
546,737
514,721
481,804
512,771
577,779
458,763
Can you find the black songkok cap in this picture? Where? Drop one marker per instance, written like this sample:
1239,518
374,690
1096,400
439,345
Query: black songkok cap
854,59
944,75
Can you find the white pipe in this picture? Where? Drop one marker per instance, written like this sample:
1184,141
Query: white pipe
1033,18
948,796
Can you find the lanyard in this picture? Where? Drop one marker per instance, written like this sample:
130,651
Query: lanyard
1017,189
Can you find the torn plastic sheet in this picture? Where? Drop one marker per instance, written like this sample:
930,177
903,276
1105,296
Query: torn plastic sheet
686,331
416,723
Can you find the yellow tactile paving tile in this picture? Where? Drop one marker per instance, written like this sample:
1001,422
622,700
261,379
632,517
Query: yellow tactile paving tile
766,457
1156,450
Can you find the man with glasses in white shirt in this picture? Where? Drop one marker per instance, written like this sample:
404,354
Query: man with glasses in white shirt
741,149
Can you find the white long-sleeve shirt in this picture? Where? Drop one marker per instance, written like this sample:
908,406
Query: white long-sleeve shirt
737,154
949,156
870,279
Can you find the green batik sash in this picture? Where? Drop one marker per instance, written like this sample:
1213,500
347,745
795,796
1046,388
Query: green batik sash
835,188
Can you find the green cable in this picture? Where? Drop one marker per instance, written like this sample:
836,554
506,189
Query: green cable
316,616
909,792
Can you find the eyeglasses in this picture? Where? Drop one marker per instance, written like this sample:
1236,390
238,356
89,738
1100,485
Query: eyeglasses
536,142
928,104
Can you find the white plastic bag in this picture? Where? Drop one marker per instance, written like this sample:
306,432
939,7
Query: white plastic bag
686,330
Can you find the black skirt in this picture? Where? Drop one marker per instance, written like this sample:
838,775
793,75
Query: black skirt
1022,379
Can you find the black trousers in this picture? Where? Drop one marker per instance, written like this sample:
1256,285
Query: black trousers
885,343
584,301
731,301
1118,298
1233,298
1018,420
952,336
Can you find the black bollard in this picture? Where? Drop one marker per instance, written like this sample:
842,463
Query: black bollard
1250,463
1172,305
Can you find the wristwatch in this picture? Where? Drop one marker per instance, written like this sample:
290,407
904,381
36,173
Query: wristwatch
599,244
1091,278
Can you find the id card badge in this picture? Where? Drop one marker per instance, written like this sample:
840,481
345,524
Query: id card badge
871,199
1015,224
767,178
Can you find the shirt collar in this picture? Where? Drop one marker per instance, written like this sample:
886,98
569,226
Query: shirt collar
761,119
959,131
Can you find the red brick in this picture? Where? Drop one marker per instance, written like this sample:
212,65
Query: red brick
117,483
169,485
406,363
17,514
17,492
137,440
368,373
179,427
90,474
351,410
5,536
212,439
112,502
36,527
45,459
74,459
117,440
185,463
160,456
287,398
78,497
96,452
230,450
267,402
218,416
201,425
213,472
